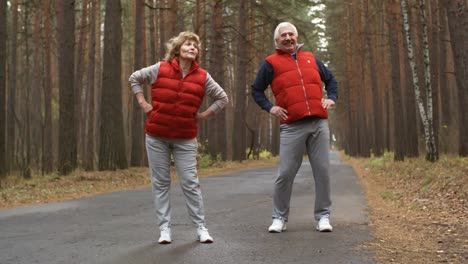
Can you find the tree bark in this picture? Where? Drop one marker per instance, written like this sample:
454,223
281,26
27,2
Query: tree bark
179,9
67,124
153,36
3,58
457,15
445,89
11,99
426,120
433,154
399,139
377,122
239,139
90,153
112,149
137,152
47,148
217,69
80,55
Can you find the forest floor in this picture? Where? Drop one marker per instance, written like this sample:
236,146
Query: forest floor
417,209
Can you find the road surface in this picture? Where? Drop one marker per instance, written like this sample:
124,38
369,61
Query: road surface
119,227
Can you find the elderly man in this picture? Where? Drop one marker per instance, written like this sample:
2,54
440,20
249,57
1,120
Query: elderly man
296,79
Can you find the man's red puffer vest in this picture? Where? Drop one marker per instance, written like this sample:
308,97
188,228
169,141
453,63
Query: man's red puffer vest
176,101
297,85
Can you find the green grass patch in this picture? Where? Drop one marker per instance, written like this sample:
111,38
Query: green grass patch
391,196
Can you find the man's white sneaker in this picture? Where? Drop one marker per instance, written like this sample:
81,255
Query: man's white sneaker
203,236
323,225
277,226
165,237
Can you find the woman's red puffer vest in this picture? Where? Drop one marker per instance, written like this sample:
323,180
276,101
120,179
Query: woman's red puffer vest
297,85
176,101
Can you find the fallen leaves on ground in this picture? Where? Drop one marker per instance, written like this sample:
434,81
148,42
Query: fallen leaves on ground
417,209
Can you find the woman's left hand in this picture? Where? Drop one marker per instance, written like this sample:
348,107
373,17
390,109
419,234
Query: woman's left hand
204,115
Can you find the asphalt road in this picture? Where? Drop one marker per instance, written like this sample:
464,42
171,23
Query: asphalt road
119,227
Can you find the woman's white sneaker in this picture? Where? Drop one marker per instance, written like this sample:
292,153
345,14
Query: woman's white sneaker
323,225
203,236
165,237
277,226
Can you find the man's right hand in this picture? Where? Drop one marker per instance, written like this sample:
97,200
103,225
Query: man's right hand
279,112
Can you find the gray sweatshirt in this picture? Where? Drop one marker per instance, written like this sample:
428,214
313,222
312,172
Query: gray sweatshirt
149,75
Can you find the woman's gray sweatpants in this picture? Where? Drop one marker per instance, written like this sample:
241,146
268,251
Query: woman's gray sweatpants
311,135
185,158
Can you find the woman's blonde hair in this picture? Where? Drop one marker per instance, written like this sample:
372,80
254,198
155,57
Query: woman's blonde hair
174,44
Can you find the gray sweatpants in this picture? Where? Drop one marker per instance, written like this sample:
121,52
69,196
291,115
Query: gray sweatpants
311,135
185,158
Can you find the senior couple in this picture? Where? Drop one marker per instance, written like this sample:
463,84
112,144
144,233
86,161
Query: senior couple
178,86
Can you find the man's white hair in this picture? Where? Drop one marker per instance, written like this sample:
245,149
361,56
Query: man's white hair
283,25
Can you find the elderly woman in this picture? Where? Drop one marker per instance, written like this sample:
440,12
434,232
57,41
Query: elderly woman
178,85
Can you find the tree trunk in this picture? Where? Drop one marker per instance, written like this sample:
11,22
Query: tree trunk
137,130
80,55
11,99
433,24
112,148
239,139
47,148
98,78
153,36
355,79
364,125
198,18
458,26
3,58
433,153
67,124
377,122
217,145
179,6
426,120
27,121
90,153
445,89
392,20
161,17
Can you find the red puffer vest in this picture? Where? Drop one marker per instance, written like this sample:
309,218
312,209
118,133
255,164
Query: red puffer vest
297,85
176,101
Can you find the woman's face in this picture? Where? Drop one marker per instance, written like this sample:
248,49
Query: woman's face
188,50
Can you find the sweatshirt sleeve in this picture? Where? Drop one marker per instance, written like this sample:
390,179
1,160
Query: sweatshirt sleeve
215,92
146,75
261,83
331,85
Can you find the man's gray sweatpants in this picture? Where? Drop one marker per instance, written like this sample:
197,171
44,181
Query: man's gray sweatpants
185,158
311,135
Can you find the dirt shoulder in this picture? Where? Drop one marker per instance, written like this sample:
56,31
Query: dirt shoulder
16,192
417,209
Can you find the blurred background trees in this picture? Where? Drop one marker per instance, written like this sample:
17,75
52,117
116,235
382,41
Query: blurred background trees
66,102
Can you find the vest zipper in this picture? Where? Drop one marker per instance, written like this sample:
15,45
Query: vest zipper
303,86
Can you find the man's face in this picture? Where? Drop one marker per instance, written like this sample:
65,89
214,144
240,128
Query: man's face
287,40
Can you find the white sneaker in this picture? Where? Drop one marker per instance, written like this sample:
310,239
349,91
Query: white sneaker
203,236
165,237
277,226
323,225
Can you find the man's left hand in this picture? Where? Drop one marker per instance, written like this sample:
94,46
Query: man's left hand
327,103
